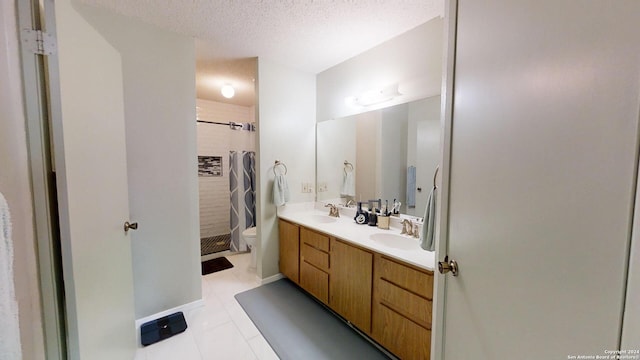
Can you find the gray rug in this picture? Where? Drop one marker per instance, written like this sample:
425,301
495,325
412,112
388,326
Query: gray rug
298,327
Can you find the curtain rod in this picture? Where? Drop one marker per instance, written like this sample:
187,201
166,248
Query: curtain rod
213,122
232,125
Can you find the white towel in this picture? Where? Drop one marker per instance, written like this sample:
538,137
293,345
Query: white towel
427,235
411,186
10,329
280,190
348,185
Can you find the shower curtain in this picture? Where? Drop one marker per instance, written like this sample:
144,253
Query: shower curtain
242,168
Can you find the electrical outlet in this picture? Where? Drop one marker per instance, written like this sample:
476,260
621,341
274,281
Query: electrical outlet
307,187
322,187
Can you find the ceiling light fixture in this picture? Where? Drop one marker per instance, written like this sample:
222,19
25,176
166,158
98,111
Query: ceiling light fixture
227,91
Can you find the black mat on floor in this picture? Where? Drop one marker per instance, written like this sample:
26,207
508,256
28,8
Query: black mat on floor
298,327
217,264
214,244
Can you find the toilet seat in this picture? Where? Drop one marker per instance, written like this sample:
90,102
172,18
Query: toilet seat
249,232
249,236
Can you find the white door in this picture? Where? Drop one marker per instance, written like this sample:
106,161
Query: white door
89,139
541,177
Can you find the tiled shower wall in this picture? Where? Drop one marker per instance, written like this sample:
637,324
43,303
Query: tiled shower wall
219,140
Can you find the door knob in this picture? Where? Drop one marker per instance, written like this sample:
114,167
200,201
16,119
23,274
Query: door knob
448,265
130,226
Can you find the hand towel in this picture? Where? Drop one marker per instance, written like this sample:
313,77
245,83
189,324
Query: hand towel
411,186
280,190
348,185
427,235
10,329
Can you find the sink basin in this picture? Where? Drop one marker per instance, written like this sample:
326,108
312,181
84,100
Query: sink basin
321,218
395,241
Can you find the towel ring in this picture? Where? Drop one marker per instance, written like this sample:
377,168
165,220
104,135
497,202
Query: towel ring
281,164
348,165
435,175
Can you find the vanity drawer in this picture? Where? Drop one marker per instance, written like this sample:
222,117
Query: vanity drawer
315,281
401,336
405,303
314,257
418,282
315,239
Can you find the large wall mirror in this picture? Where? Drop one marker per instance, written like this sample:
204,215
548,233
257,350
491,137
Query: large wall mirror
390,153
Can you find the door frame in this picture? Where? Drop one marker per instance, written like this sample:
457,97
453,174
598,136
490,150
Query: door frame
41,109
442,210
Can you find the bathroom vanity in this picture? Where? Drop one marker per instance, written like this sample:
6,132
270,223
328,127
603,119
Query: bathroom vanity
378,280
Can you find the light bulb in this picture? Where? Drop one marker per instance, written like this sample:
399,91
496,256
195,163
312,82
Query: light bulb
227,91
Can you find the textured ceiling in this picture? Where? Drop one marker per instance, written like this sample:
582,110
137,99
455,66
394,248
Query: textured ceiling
309,35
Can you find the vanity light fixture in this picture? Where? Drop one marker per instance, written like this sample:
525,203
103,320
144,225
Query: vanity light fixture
377,96
228,91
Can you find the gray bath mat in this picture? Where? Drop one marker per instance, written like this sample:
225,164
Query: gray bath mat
297,327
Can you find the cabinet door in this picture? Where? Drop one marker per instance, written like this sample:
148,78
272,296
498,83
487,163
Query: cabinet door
403,337
401,318
350,284
289,250
315,281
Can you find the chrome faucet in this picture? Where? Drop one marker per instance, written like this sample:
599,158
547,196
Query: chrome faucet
416,230
407,227
333,210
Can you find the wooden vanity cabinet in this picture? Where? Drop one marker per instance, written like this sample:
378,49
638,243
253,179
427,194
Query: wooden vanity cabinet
314,263
387,299
402,305
350,284
289,250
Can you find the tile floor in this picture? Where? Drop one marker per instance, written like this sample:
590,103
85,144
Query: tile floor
220,329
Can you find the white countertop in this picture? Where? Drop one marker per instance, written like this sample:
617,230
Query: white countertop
315,216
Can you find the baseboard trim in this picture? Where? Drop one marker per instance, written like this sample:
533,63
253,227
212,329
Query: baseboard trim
272,278
185,308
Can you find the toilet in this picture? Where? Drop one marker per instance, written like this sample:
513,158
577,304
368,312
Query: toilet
249,235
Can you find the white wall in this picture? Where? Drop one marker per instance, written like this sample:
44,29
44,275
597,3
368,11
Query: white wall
160,103
286,132
413,60
15,185
219,140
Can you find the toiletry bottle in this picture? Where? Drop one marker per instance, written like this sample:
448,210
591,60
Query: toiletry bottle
373,218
